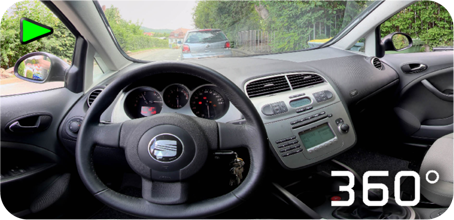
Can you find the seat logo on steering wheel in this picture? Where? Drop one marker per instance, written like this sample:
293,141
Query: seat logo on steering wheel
165,147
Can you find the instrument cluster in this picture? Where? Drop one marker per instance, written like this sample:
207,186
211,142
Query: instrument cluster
204,101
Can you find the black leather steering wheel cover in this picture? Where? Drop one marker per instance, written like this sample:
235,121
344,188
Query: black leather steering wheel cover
257,146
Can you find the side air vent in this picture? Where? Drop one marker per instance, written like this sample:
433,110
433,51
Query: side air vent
93,95
377,63
267,86
303,80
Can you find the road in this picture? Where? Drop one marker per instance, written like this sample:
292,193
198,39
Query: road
158,55
13,85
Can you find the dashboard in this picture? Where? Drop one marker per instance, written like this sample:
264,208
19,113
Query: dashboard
305,125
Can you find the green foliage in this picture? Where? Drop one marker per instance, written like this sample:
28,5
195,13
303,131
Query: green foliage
60,43
29,74
130,35
21,68
292,22
426,20
229,16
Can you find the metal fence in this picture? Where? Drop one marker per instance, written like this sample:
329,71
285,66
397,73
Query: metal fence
255,40
258,41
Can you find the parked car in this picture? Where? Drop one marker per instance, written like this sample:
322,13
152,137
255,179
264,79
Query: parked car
205,43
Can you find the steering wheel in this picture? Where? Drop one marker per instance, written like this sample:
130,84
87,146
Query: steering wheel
167,149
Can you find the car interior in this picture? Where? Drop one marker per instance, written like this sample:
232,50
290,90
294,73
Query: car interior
258,136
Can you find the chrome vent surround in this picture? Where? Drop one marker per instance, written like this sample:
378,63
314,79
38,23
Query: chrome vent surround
281,83
377,63
267,86
93,95
304,80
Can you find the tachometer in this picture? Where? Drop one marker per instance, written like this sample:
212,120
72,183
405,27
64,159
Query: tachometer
143,102
176,96
207,102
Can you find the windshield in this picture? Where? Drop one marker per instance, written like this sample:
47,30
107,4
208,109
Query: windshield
180,30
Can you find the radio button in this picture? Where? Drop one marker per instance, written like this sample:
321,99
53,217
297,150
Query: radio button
283,107
267,110
328,94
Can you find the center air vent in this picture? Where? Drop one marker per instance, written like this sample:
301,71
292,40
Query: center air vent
303,80
93,95
267,86
377,63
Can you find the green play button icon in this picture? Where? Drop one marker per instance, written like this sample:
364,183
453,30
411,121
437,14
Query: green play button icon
31,30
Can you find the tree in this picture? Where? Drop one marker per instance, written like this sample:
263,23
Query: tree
425,20
292,22
61,42
129,35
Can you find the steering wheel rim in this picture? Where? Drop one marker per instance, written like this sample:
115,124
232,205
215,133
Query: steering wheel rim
229,136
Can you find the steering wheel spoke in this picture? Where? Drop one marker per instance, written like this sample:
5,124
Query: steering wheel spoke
233,136
107,135
165,193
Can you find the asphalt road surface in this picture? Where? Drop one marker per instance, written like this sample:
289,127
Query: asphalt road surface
158,55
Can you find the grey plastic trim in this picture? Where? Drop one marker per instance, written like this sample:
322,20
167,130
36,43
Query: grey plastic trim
88,97
435,91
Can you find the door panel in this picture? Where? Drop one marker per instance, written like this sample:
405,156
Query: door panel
424,108
34,173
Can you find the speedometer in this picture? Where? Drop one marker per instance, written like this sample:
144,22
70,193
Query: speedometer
207,102
142,102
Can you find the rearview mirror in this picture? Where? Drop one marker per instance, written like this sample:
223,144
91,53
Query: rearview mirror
394,42
40,67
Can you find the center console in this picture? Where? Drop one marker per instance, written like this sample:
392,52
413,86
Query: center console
304,117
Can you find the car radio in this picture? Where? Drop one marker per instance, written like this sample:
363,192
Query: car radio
306,125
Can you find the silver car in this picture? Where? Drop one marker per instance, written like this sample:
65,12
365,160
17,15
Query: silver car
205,43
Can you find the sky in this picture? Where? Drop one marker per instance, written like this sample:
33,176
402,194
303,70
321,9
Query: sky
157,14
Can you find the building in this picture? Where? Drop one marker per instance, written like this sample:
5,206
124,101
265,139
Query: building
148,33
177,36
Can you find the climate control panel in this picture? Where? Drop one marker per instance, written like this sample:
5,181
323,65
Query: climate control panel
306,125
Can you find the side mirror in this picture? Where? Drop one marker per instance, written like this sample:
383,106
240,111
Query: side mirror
40,67
394,42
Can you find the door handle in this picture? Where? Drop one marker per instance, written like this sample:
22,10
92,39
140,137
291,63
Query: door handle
30,123
420,67
17,127
414,67
436,92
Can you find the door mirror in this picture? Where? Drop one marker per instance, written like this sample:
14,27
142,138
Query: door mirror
394,42
40,67
400,42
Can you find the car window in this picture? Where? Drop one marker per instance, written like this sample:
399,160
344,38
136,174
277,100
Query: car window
428,23
163,30
205,37
60,43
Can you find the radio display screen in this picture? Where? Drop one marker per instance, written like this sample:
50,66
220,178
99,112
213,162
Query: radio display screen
316,136
300,102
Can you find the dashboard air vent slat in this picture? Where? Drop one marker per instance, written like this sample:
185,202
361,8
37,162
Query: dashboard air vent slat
377,63
267,86
93,95
303,80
